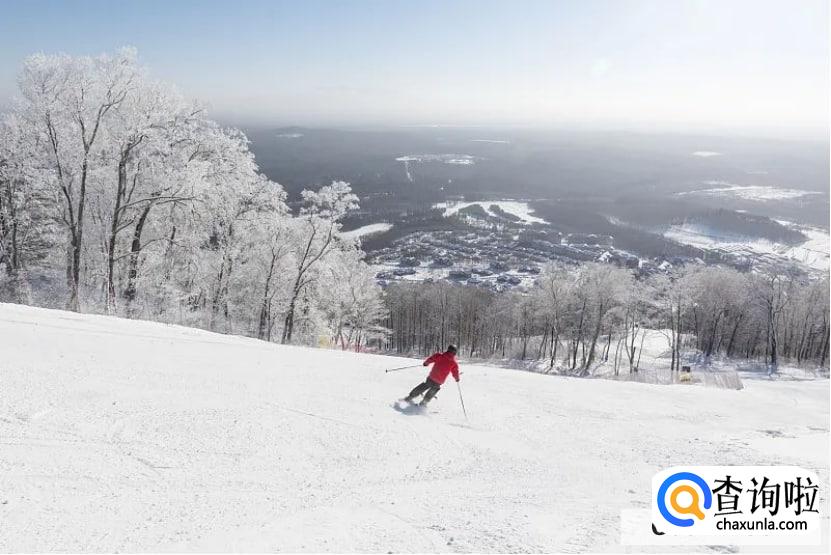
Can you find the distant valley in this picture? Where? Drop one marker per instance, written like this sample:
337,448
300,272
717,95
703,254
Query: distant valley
490,207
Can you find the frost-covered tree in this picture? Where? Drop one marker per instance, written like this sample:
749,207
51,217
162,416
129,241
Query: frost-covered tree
635,299
315,236
600,287
552,294
150,147
149,208
69,101
26,228
772,295
673,300
352,302
716,297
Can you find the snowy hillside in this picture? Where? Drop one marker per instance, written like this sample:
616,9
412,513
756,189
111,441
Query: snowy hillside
124,435
812,254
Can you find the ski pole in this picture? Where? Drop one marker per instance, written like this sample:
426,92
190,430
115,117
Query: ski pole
401,368
462,400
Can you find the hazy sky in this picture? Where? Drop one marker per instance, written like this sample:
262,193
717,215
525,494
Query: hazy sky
711,66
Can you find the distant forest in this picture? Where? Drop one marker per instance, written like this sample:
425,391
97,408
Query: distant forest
573,320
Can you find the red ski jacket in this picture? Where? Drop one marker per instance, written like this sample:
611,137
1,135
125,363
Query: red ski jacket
443,364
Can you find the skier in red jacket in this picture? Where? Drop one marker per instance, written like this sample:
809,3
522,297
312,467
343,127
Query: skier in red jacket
443,364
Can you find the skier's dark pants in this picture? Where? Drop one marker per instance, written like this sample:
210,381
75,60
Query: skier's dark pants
429,386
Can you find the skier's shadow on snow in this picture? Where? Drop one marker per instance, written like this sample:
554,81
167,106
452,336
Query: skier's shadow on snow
413,410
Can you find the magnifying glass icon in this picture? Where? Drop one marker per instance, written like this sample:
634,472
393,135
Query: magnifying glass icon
693,508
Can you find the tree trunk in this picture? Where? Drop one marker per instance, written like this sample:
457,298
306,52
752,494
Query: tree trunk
74,302
555,340
288,322
579,335
264,328
130,290
590,358
733,335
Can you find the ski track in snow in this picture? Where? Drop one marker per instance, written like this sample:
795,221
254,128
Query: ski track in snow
120,435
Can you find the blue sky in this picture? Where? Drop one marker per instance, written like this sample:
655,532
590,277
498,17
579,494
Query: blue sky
663,64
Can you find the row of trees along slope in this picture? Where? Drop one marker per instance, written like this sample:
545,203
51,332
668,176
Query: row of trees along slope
119,195
574,319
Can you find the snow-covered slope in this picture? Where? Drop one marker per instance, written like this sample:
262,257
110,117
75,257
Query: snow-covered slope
813,254
122,435
363,231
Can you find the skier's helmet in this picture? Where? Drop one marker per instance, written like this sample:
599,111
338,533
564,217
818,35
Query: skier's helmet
451,349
